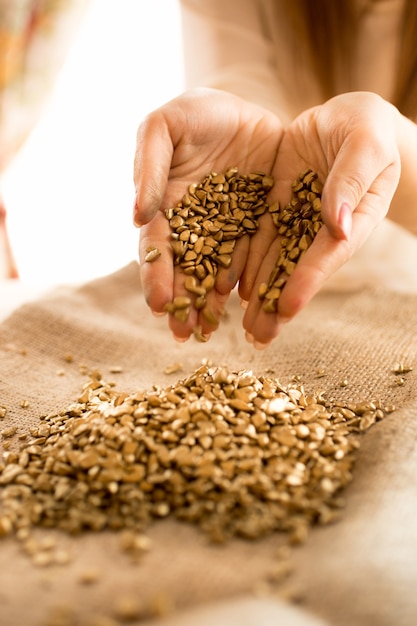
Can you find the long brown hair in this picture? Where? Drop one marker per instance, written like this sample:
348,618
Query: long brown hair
329,28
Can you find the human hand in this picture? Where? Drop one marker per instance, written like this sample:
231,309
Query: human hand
197,133
350,141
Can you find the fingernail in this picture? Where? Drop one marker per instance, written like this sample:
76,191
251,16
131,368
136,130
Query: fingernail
344,221
136,220
180,339
244,304
283,320
248,337
159,313
260,346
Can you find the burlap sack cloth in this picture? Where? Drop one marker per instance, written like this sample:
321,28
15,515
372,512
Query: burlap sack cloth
359,571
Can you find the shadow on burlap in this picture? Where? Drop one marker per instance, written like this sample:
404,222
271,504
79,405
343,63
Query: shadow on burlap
361,570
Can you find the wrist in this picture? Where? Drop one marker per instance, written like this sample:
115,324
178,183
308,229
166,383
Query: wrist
403,208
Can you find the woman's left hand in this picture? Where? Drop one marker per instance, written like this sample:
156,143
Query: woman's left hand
350,141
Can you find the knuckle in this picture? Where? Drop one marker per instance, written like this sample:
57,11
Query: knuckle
356,183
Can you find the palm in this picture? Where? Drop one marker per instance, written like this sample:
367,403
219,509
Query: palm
303,146
297,153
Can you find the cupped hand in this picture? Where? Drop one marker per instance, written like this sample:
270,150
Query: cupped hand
197,133
350,141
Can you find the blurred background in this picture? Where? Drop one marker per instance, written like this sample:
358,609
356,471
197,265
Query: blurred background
69,193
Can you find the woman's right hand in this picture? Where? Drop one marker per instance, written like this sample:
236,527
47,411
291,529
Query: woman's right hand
199,132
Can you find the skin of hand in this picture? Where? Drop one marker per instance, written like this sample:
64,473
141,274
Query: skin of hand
351,141
201,131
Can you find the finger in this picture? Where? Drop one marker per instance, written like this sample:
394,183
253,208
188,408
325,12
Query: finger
152,163
207,310
157,276
259,325
359,167
211,315
326,255
182,321
259,243
227,278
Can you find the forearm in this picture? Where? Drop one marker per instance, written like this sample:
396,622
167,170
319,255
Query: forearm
226,47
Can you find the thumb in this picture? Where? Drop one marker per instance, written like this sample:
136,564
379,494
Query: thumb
357,170
152,163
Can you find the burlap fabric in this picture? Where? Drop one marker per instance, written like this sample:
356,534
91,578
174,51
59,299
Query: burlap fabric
359,571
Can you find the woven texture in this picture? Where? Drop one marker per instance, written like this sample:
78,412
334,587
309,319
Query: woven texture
361,570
